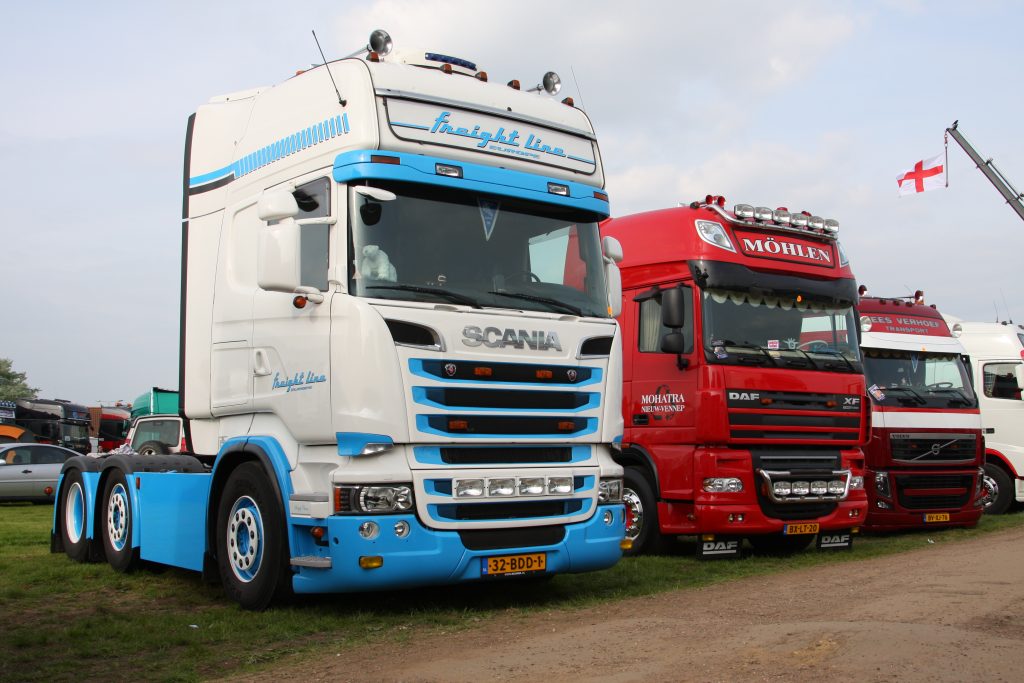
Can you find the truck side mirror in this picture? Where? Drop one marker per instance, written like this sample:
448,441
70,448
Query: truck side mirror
612,255
277,260
673,308
673,342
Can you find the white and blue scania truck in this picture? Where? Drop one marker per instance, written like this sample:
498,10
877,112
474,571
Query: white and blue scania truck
399,362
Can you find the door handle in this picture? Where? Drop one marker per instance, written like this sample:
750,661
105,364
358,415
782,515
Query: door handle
261,367
26,471
641,419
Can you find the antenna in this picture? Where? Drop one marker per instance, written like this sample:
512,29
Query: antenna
996,309
576,83
341,101
1005,307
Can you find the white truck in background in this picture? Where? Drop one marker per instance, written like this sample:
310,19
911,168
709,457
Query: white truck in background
399,362
996,353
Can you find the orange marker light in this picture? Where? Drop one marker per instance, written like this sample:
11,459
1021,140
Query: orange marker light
545,374
458,425
566,426
483,372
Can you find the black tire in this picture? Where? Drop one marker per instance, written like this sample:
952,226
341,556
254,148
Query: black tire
153,448
117,523
998,488
73,517
252,542
779,544
641,514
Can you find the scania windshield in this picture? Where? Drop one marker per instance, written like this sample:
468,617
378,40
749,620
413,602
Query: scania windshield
913,379
425,243
778,331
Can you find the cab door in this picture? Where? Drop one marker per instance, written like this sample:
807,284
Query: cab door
661,396
290,359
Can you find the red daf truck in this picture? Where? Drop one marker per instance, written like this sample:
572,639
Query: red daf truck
926,453
743,392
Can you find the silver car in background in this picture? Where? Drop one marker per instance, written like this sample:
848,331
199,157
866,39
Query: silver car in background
29,471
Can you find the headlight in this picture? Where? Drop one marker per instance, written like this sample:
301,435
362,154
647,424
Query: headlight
560,485
469,488
819,488
610,491
782,488
531,486
501,487
837,488
373,499
882,484
856,483
723,485
801,488
713,233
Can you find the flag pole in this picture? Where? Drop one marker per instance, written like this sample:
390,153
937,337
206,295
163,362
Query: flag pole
945,144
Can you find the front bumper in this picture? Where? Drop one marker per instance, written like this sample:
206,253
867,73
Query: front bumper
430,557
746,519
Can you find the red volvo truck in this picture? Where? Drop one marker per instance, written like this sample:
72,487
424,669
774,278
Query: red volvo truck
926,453
743,392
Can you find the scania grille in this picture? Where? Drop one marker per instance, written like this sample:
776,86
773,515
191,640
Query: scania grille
801,417
505,511
804,472
921,449
522,373
511,425
504,399
931,491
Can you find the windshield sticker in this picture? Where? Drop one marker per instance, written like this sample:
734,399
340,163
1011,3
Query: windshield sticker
720,353
876,392
662,401
914,361
773,344
488,215
791,343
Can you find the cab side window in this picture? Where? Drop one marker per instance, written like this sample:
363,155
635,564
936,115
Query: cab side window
314,200
650,329
1000,381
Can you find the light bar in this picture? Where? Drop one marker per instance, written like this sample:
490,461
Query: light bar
743,211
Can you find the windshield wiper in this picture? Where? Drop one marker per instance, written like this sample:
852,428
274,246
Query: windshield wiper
744,345
444,293
541,300
961,396
839,355
916,396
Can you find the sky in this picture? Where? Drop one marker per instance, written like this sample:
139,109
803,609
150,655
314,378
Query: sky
810,105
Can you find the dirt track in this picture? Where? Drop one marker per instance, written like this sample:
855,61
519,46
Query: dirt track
952,612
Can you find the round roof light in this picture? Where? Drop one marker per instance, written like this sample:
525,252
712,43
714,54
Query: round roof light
743,211
799,220
782,216
551,83
380,42
816,223
865,323
763,213
956,330
832,226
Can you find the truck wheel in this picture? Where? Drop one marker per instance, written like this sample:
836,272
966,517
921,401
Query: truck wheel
153,448
998,489
117,523
73,517
778,544
251,539
641,514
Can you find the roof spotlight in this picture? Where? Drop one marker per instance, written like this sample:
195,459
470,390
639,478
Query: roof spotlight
380,42
550,84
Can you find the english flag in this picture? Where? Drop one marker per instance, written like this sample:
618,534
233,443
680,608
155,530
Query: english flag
929,174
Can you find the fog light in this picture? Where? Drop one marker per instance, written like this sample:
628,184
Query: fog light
736,517
801,488
819,488
369,530
560,485
469,488
608,517
836,488
882,484
782,488
371,562
531,486
402,529
855,512
501,487
723,485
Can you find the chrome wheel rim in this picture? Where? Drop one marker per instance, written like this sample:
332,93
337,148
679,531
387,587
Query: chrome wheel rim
634,513
991,487
117,517
245,539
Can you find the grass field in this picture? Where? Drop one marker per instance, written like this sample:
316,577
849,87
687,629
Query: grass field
62,620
